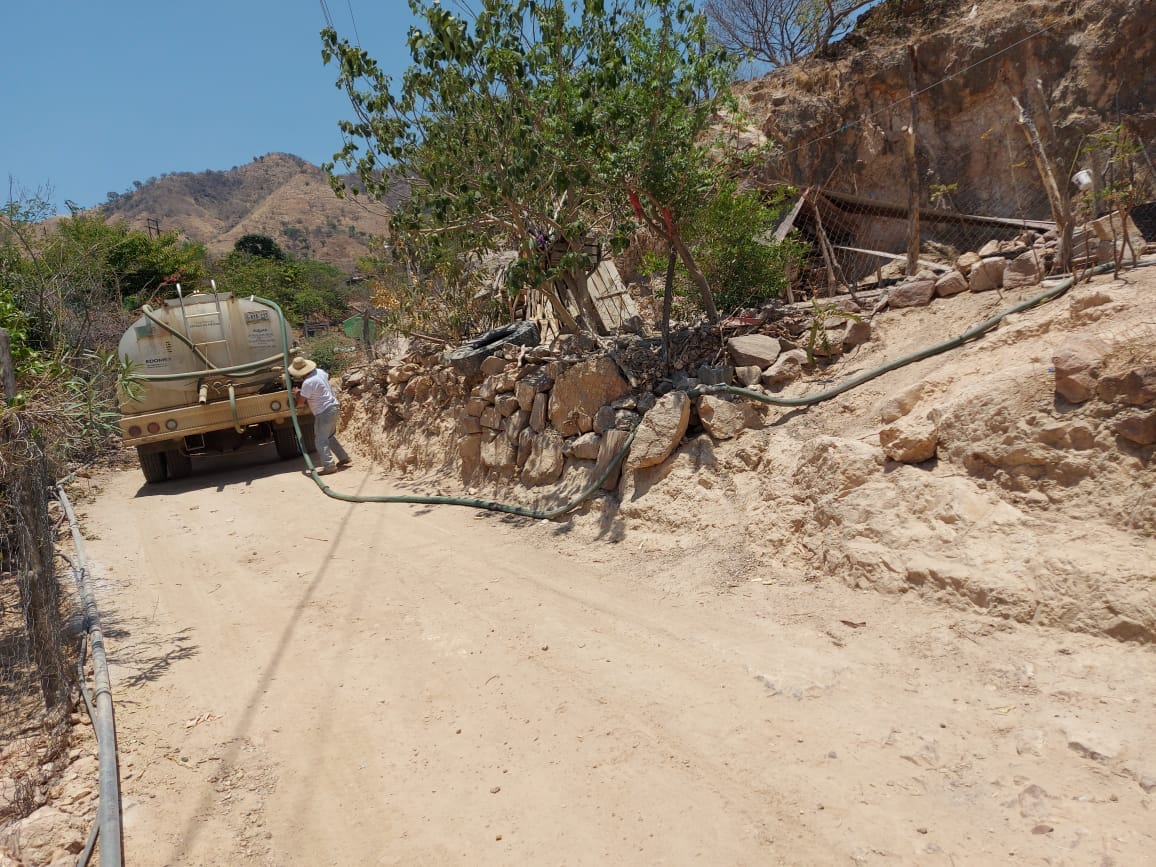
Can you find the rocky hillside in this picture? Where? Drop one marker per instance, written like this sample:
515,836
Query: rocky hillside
839,121
1013,474
278,195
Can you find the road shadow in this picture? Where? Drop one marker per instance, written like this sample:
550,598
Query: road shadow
140,652
224,471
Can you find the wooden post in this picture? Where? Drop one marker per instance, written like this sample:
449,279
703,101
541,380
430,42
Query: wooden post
912,167
1060,204
834,272
7,368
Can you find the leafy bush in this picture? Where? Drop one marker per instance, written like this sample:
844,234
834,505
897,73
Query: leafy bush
333,352
730,237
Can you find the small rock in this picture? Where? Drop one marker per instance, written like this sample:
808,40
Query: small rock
759,350
748,374
856,333
951,283
910,441
1077,363
913,293
986,275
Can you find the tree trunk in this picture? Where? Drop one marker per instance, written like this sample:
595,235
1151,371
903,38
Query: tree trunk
667,303
1061,205
695,275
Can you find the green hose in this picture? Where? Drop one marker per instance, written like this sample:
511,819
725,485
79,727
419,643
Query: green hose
955,342
240,369
970,334
468,502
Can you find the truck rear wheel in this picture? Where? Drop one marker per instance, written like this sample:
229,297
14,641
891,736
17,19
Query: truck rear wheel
285,438
179,464
152,464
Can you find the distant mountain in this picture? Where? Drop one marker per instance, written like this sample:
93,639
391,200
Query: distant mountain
278,195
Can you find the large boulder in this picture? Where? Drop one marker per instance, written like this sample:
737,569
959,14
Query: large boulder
753,349
660,430
581,390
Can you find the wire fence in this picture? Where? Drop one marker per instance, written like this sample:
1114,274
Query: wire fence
36,660
990,198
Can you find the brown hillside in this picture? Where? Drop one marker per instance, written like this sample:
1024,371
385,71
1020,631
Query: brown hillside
278,195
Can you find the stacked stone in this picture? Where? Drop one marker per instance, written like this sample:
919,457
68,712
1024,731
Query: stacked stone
1013,264
535,413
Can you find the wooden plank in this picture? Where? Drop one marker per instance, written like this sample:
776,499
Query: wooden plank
788,222
7,367
611,298
935,266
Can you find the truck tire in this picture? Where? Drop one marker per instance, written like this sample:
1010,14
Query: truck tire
179,464
307,437
285,438
152,464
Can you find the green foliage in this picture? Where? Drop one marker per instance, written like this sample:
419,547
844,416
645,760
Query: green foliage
333,352
730,237
817,334
532,121
118,262
304,289
259,245
444,299
1125,182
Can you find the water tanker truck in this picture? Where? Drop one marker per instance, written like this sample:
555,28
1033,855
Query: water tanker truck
207,375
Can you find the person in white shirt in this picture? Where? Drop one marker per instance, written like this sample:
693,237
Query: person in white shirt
311,386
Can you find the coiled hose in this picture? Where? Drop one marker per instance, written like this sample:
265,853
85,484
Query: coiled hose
806,400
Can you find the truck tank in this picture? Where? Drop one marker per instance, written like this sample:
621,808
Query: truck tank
227,332
207,375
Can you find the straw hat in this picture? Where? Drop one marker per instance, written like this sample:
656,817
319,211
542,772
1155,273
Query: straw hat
301,367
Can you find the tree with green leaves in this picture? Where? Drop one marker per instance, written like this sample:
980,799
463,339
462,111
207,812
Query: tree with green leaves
65,280
303,288
778,32
538,124
259,245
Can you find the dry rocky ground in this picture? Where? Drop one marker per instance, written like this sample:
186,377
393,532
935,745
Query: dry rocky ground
941,582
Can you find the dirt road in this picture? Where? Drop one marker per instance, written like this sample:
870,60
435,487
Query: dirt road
303,681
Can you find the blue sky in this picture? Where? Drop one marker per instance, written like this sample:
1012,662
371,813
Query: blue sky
96,95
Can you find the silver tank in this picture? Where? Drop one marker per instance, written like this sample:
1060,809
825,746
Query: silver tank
227,331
